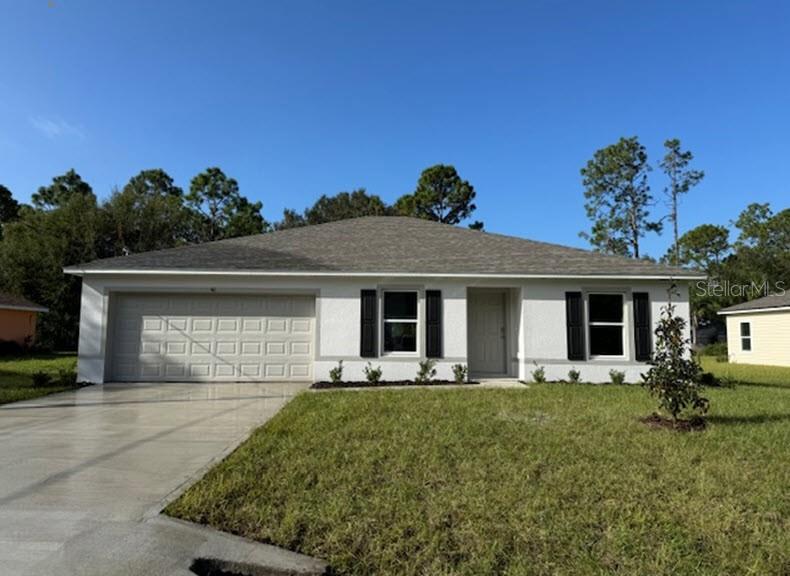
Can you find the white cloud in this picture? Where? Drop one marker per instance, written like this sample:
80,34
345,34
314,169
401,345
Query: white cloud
56,128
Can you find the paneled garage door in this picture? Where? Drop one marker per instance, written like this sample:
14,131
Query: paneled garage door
189,337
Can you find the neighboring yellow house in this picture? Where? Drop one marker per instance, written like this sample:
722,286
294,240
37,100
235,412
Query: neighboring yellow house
18,319
758,332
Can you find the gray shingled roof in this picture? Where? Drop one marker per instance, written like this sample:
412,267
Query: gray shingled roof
9,301
772,301
385,245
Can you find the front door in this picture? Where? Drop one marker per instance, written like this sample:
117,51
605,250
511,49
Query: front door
486,337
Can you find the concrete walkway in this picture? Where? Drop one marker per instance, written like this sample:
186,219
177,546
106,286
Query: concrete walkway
84,474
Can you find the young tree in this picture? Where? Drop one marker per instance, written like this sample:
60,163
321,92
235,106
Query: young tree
61,190
217,200
681,179
618,198
148,214
441,195
674,375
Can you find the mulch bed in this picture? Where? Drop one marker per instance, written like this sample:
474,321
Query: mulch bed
658,422
365,384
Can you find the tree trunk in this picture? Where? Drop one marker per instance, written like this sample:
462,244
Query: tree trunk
675,224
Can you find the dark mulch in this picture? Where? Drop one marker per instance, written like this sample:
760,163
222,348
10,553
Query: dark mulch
658,422
365,384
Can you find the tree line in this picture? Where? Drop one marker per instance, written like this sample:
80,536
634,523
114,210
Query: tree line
65,224
619,202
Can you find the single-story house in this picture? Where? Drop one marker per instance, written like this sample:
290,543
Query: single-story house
18,319
758,331
289,305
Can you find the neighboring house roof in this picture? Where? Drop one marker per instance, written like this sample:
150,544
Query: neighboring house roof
766,303
383,245
11,302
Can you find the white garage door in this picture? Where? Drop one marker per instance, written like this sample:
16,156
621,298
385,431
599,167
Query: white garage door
189,337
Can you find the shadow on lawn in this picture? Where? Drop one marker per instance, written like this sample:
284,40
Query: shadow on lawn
753,419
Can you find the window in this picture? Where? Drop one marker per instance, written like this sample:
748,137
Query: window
400,322
746,336
606,326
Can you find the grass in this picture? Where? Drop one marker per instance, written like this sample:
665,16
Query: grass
16,382
748,374
554,479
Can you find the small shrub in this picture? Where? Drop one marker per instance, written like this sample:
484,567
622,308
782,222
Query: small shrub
67,378
617,377
373,375
41,379
10,348
574,376
708,379
460,372
711,380
715,349
674,375
539,374
336,373
426,371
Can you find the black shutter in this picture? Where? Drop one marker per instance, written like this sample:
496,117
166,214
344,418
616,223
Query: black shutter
574,319
642,326
433,323
367,344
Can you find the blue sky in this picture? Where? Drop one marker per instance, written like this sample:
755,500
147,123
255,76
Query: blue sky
299,98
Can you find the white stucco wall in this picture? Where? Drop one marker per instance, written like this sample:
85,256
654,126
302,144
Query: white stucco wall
535,326
545,335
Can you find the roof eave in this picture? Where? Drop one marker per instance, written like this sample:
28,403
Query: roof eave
726,312
340,274
24,308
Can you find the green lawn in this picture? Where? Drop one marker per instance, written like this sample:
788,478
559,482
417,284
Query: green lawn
748,373
16,375
551,479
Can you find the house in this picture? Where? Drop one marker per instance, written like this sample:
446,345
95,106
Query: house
758,332
289,305
18,319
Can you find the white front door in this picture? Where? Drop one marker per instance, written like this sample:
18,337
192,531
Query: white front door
486,337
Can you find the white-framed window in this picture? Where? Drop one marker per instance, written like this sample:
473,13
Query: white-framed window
746,336
606,324
400,322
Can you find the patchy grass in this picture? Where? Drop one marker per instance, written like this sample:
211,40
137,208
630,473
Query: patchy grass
16,382
554,479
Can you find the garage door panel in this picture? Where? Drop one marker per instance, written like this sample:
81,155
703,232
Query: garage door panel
212,337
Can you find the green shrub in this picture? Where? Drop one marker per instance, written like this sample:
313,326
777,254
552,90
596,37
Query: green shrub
460,373
715,349
336,373
617,377
539,374
574,376
373,375
426,371
41,379
67,378
10,348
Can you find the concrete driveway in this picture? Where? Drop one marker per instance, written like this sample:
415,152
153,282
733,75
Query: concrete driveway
104,459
